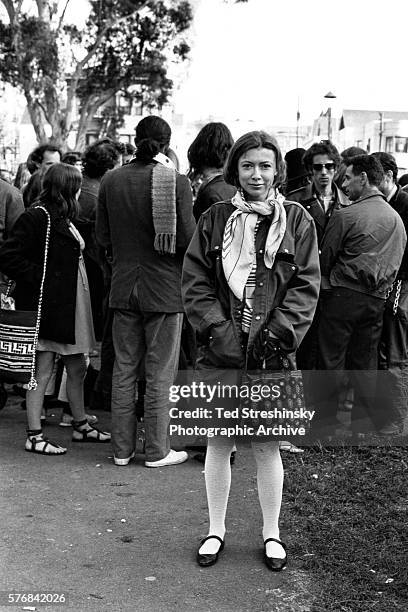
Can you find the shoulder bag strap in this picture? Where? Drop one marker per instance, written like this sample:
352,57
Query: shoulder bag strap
32,385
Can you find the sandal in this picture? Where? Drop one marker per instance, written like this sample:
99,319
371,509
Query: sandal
43,446
90,435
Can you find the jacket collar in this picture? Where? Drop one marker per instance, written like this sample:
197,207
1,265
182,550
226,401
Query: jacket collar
311,196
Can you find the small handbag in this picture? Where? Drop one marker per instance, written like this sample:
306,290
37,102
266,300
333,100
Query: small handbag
275,406
19,331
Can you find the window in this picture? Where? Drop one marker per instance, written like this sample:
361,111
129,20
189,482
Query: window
388,144
401,144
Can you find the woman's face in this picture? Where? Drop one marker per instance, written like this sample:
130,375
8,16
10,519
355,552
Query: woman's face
256,173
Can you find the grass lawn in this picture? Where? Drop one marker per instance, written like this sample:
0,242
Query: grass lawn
345,511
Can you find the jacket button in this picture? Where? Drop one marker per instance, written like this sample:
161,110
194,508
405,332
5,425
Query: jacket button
260,284
260,251
308,206
258,317
293,268
286,250
216,247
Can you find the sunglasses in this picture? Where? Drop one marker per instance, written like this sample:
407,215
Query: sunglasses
319,167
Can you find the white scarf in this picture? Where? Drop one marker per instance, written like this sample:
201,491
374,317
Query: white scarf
164,160
238,246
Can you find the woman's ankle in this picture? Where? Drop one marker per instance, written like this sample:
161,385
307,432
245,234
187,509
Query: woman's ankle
33,433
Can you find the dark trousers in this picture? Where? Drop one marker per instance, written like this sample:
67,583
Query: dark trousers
393,359
349,332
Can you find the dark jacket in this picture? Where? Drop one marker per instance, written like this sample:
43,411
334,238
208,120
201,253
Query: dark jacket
124,226
363,246
210,192
285,296
399,202
22,257
11,207
32,189
306,196
85,223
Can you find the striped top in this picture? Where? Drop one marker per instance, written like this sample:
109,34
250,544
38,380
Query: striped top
249,290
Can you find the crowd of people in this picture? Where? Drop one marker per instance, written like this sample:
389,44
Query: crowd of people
248,259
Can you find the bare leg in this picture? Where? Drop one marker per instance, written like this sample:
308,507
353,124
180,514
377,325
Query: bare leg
36,441
76,369
35,398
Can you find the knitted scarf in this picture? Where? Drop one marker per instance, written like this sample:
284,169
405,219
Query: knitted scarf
238,247
163,190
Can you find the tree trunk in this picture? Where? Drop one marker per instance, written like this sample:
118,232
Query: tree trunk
88,111
37,118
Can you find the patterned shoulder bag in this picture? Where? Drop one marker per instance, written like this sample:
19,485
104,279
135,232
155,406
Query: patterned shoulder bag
19,330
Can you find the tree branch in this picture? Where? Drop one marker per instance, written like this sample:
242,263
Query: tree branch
44,110
41,6
61,19
76,75
102,34
9,6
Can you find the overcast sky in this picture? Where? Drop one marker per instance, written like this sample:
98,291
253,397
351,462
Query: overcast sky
255,60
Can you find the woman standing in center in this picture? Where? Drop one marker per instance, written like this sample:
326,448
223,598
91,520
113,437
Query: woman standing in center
250,286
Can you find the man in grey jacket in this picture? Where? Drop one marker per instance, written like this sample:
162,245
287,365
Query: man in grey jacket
361,254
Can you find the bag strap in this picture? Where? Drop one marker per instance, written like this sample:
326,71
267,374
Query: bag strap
8,290
32,385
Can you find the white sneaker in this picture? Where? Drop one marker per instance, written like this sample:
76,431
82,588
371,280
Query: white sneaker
124,461
173,458
66,419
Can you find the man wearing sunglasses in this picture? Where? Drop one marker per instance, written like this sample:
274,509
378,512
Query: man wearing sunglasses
321,197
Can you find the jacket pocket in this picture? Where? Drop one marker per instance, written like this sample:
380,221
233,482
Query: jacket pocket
223,349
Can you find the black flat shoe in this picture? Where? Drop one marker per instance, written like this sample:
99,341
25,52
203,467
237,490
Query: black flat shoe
275,563
207,560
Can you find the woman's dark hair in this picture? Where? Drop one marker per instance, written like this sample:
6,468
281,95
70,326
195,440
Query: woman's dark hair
60,185
152,136
101,156
254,140
210,148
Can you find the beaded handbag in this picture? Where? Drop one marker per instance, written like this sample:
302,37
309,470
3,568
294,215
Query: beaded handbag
19,331
275,406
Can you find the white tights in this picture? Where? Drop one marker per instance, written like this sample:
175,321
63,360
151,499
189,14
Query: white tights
218,482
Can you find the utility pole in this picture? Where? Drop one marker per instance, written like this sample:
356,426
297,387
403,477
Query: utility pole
297,124
381,131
